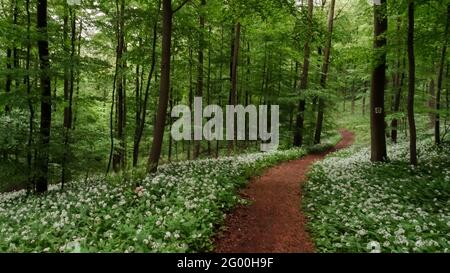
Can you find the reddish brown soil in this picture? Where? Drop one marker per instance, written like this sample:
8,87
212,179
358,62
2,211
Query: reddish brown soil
274,222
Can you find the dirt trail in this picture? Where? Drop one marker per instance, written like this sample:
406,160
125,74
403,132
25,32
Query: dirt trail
274,223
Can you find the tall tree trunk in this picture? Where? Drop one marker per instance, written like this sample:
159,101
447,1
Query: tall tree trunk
143,112
397,100
447,97
158,130
11,57
299,125
119,152
208,84
217,153
66,64
199,91
138,102
169,155
16,61
46,98
30,103
437,127
77,91
323,79
8,76
247,95
377,116
432,101
399,76
234,75
191,97
411,85
69,80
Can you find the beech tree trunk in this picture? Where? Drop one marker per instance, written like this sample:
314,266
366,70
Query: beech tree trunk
377,116
31,181
68,92
234,76
411,85
432,101
46,98
158,129
119,151
142,115
199,91
437,127
399,77
300,120
325,68
8,76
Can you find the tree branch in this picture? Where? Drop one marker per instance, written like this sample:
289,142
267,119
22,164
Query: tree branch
180,6
339,12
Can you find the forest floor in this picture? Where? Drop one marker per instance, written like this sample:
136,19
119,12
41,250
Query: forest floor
274,222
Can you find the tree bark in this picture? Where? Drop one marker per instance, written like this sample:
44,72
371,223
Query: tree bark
300,120
411,85
69,80
208,84
437,127
158,130
8,77
323,79
234,76
191,97
46,98
77,91
31,181
397,85
199,91
378,130
11,58
396,108
119,152
432,101
143,111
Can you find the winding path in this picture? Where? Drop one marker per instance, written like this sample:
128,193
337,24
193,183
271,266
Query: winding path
274,222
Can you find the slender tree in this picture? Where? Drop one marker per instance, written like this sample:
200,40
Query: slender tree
411,85
399,76
234,72
142,113
199,91
324,75
164,87
46,98
377,117
30,102
299,126
69,80
437,126
119,152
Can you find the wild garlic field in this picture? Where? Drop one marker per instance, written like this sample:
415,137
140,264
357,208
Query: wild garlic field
177,209
358,206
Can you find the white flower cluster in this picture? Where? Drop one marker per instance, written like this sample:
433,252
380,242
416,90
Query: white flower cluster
388,207
175,210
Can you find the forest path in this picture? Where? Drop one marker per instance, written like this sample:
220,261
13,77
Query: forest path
274,222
